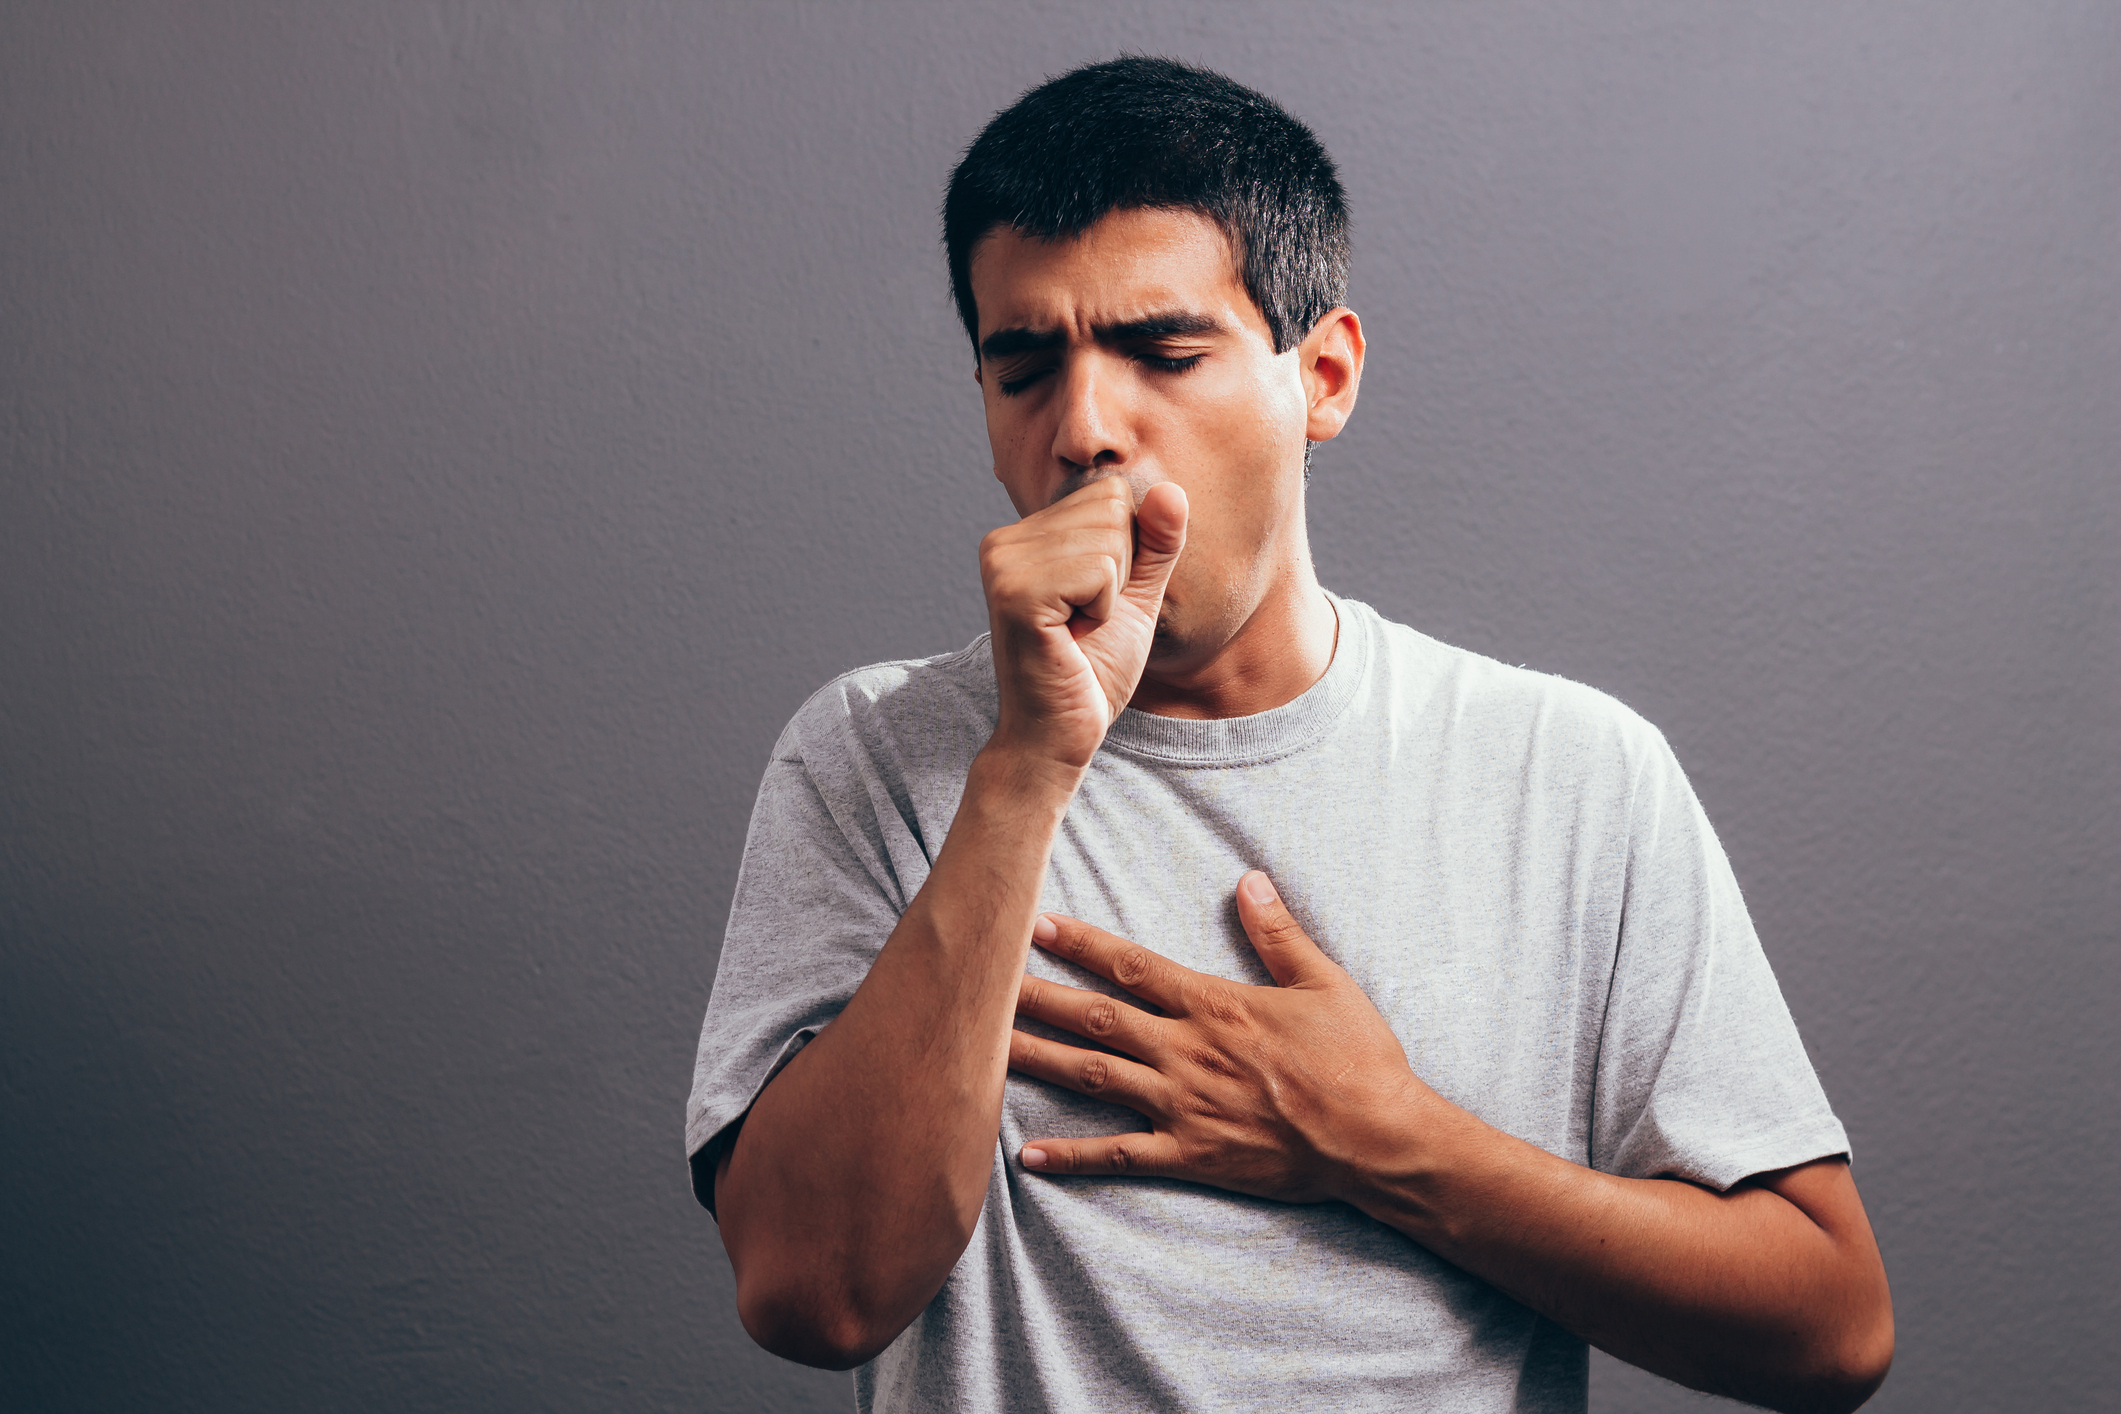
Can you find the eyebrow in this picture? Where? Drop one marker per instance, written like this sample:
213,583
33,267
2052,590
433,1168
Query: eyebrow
1167,324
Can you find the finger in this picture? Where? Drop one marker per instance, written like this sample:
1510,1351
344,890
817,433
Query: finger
1068,542
1105,508
1110,586
1098,519
1159,537
1154,979
1282,944
1092,1015
1048,591
1090,571
1102,1077
1095,498
1105,504
1134,1155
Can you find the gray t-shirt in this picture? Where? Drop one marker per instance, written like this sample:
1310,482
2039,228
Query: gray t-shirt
1512,867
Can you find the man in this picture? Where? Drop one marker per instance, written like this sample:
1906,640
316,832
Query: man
1385,1022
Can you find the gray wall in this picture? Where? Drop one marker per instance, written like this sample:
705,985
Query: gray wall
442,443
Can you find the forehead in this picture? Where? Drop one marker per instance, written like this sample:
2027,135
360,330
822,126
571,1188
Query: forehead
1129,264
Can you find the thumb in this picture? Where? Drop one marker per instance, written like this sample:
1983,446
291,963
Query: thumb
1282,944
1159,536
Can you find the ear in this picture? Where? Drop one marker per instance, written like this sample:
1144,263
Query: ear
1331,359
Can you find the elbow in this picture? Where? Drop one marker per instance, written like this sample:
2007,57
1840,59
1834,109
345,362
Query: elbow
825,1309
1861,1366
828,1300
1861,1351
1849,1367
811,1328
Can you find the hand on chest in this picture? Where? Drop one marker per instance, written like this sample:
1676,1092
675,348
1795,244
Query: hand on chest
1481,958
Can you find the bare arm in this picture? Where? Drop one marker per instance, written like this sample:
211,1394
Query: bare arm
835,1253
857,1176
1773,1292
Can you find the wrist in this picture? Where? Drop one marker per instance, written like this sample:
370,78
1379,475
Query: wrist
998,845
1400,1170
1024,775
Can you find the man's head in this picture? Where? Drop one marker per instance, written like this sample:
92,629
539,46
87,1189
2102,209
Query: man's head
1150,261
1141,132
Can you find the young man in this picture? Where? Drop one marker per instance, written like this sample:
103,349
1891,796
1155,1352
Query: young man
1385,1022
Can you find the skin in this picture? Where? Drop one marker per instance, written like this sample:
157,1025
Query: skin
1152,441
1243,625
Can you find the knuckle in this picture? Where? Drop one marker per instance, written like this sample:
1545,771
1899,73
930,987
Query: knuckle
1074,943
1102,1017
1120,1158
1220,1003
996,550
1202,1106
1095,1075
1209,1061
1131,967
1281,930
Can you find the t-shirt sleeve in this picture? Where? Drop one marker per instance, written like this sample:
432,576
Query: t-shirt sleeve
816,896
1700,1074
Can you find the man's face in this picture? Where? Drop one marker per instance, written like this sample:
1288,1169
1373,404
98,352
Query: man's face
1135,351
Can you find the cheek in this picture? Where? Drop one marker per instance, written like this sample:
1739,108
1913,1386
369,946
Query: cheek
1008,438
1258,439
1258,414
1281,398
1254,439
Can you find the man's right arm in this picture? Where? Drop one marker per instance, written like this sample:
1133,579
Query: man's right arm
859,1172
853,1184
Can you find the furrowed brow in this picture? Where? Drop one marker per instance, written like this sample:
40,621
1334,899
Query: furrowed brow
1176,323
1004,342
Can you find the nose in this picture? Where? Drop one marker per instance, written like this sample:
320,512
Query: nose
1091,433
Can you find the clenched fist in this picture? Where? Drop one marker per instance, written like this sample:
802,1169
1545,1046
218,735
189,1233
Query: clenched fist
1073,592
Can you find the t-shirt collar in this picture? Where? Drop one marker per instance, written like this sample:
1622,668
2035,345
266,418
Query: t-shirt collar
1235,741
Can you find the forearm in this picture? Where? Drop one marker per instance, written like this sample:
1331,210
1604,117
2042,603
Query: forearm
858,1174
1771,1292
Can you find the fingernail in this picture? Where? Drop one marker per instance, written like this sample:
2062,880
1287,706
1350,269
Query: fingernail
1034,1158
1042,929
1258,888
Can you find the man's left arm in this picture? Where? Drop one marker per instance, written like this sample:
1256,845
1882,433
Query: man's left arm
1772,1291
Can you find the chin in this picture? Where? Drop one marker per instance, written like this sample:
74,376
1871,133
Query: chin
1179,644
1196,624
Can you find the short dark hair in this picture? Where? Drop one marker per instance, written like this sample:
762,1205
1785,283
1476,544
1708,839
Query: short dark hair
1143,132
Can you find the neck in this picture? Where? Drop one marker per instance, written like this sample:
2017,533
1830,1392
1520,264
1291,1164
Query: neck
1277,653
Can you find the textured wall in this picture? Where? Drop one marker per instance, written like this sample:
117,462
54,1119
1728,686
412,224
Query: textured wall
442,444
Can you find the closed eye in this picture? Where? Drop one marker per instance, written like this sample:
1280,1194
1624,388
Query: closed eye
1160,363
1012,386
